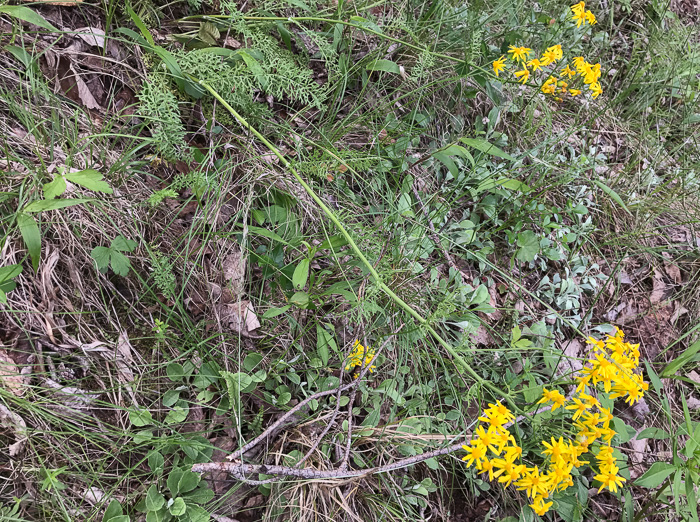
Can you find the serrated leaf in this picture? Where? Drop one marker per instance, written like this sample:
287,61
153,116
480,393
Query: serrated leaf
101,256
123,245
27,15
90,179
31,235
119,263
154,499
301,274
385,66
528,246
55,188
655,475
53,204
483,145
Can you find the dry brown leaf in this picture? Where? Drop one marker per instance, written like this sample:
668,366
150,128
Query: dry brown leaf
239,317
637,456
481,336
124,357
10,375
233,266
672,270
84,92
658,290
571,362
12,421
92,36
62,3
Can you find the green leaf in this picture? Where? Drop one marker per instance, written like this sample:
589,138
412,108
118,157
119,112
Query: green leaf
123,245
139,23
27,15
251,361
300,299
9,272
613,195
101,256
301,274
198,514
53,204
653,433
385,66
655,475
140,417
483,145
90,179
447,162
178,507
324,344
254,67
175,372
680,361
156,462
171,397
274,312
201,495
187,482
178,413
208,33
55,188
162,515
31,235
284,398
528,246
154,499
120,263
113,510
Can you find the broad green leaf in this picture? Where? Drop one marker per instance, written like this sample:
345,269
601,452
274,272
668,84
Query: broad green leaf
300,299
162,515
198,514
201,495
53,204
325,343
120,263
385,66
178,507
178,413
27,15
528,246
208,33
156,461
458,150
123,245
266,233
173,480
301,274
513,184
143,436
154,499
483,145
27,59
613,195
90,179
188,481
175,372
119,518
284,398
680,361
170,397
55,188
655,475
251,361
140,417
101,256
139,23
113,510
31,235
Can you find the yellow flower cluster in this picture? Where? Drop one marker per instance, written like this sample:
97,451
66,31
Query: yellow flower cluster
362,357
556,86
581,16
493,450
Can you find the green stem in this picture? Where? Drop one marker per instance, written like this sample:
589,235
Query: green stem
388,291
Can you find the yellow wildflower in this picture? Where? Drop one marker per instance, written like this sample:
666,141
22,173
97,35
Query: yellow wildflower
590,18
609,478
499,65
523,75
539,506
534,483
520,54
579,8
534,63
596,91
568,71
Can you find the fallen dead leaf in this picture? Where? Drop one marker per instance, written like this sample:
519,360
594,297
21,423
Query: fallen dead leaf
658,290
61,3
639,448
571,362
84,92
233,266
239,317
12,421
92,36
10,375
672,270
